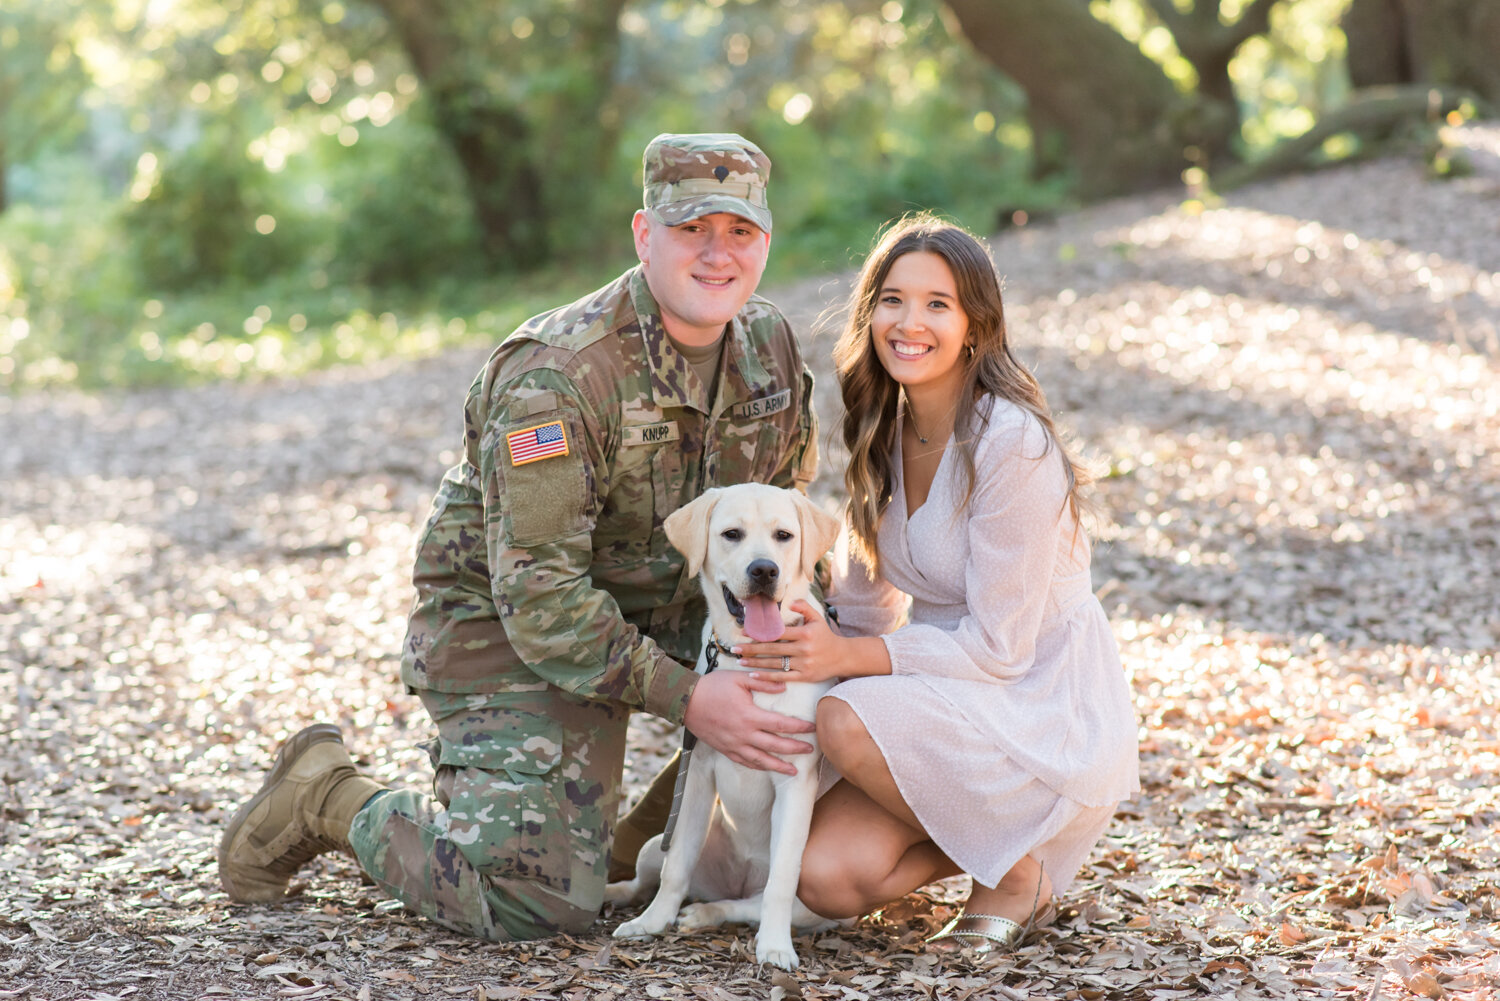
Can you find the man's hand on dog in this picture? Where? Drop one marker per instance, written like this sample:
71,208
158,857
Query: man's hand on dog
722,714
814,652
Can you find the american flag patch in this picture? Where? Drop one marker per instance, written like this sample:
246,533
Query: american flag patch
540,442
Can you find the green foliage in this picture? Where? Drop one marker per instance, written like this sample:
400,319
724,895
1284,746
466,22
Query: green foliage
211,216
400,209
64,292
867,109
1287,77
1447,161
55,329
41,79
523,91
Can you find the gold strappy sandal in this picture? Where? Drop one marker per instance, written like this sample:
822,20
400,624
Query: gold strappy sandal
985,933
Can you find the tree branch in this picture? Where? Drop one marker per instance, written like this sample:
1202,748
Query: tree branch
1254,20
1369,110
1177,23
1205,38
419,27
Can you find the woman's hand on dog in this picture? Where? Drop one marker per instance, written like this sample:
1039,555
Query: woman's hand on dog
814,652
722,713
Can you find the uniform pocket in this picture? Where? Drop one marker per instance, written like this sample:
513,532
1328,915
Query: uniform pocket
669,492
629,512
748,453
500,740
503,811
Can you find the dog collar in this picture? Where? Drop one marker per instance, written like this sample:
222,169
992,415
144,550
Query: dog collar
711,651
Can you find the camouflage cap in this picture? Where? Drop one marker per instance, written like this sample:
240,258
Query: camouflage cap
688,176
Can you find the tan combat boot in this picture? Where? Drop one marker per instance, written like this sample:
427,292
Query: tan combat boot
303,809
645,820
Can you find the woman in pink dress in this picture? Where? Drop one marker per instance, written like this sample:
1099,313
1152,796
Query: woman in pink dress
984,725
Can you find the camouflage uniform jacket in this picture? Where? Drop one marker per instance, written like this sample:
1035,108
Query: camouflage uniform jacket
557,571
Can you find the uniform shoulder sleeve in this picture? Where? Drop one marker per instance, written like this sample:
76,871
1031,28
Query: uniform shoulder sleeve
541,447
798,464
543,458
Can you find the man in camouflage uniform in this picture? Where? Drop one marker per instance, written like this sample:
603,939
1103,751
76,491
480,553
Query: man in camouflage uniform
549,603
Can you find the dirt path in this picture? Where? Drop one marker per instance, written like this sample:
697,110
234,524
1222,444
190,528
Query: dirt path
1295,400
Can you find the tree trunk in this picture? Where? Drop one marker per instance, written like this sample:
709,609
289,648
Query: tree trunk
1124,123
492,144
1210,44
1448,43
528,152
1374,30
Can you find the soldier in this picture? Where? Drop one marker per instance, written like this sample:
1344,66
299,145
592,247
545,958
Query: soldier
549,603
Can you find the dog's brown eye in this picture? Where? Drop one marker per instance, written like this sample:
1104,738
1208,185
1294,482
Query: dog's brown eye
733,534
783,536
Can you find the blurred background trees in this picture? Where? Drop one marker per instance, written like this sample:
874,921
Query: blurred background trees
219,187
1137,92
41,83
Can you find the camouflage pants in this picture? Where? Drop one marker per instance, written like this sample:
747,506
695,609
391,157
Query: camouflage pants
515,844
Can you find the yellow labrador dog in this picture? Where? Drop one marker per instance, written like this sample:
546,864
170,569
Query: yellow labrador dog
753,548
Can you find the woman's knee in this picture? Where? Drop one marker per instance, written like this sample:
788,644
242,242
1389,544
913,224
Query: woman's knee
828,888
842,736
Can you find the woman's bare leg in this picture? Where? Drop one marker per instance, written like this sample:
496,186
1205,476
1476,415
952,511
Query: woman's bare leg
859,856
866,847
1026,888
846,742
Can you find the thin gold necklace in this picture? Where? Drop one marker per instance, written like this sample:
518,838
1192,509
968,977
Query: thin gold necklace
913,418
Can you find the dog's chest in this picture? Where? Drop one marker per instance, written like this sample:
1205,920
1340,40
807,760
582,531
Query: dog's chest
799,700
746,797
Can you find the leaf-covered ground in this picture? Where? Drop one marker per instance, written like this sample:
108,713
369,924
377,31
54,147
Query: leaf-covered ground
1295,401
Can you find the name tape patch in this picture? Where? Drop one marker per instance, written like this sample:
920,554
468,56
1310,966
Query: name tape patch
540,442
765,406
650,434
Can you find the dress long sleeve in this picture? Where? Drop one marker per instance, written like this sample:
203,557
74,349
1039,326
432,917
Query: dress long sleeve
868,605
1019,498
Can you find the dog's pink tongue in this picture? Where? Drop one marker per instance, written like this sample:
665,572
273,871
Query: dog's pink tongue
763,619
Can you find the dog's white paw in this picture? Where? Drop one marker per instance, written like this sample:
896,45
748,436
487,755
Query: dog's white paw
645,926
776,950
697,917
622,893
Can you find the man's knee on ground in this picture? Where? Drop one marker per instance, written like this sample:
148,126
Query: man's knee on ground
570,918
528,912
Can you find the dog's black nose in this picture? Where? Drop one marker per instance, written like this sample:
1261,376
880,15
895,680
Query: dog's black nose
763,573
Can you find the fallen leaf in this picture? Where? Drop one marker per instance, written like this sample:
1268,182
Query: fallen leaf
787,983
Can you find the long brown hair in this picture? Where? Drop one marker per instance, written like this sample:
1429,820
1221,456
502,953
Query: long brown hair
872,398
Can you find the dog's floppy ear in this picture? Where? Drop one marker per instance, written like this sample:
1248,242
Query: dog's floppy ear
819,531
687,528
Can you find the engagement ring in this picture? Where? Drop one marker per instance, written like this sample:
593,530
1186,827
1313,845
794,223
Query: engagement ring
786,663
